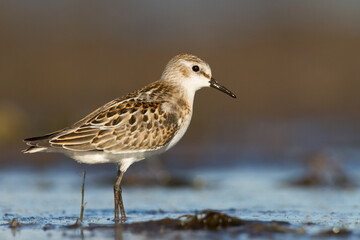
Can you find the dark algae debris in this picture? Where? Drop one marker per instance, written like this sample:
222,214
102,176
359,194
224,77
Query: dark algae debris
207,220
335,232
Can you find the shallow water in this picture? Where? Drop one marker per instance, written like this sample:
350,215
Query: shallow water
48,201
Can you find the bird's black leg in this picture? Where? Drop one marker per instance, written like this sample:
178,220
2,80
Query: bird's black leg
118,197
121,204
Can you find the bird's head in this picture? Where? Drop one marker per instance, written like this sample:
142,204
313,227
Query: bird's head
191,73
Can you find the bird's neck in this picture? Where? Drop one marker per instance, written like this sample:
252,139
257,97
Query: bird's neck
182,96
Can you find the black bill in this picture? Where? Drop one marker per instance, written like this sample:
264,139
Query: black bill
215,84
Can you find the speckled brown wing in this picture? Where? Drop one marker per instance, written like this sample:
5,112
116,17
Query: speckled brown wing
124,126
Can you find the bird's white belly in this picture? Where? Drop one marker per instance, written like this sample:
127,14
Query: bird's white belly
123,159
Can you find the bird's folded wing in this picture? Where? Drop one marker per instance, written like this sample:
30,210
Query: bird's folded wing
124,126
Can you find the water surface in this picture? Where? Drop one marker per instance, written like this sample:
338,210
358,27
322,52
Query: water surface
47,201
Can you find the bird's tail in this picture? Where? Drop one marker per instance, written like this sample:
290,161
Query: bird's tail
34,149
38,144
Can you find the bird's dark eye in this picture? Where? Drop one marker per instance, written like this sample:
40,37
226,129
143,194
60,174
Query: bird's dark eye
195,68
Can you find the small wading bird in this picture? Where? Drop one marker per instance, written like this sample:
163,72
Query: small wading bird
146,122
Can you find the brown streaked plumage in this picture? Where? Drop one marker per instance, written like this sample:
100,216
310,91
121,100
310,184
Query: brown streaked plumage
124,126
143,123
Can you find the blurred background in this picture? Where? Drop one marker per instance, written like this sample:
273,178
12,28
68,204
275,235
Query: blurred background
294,66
